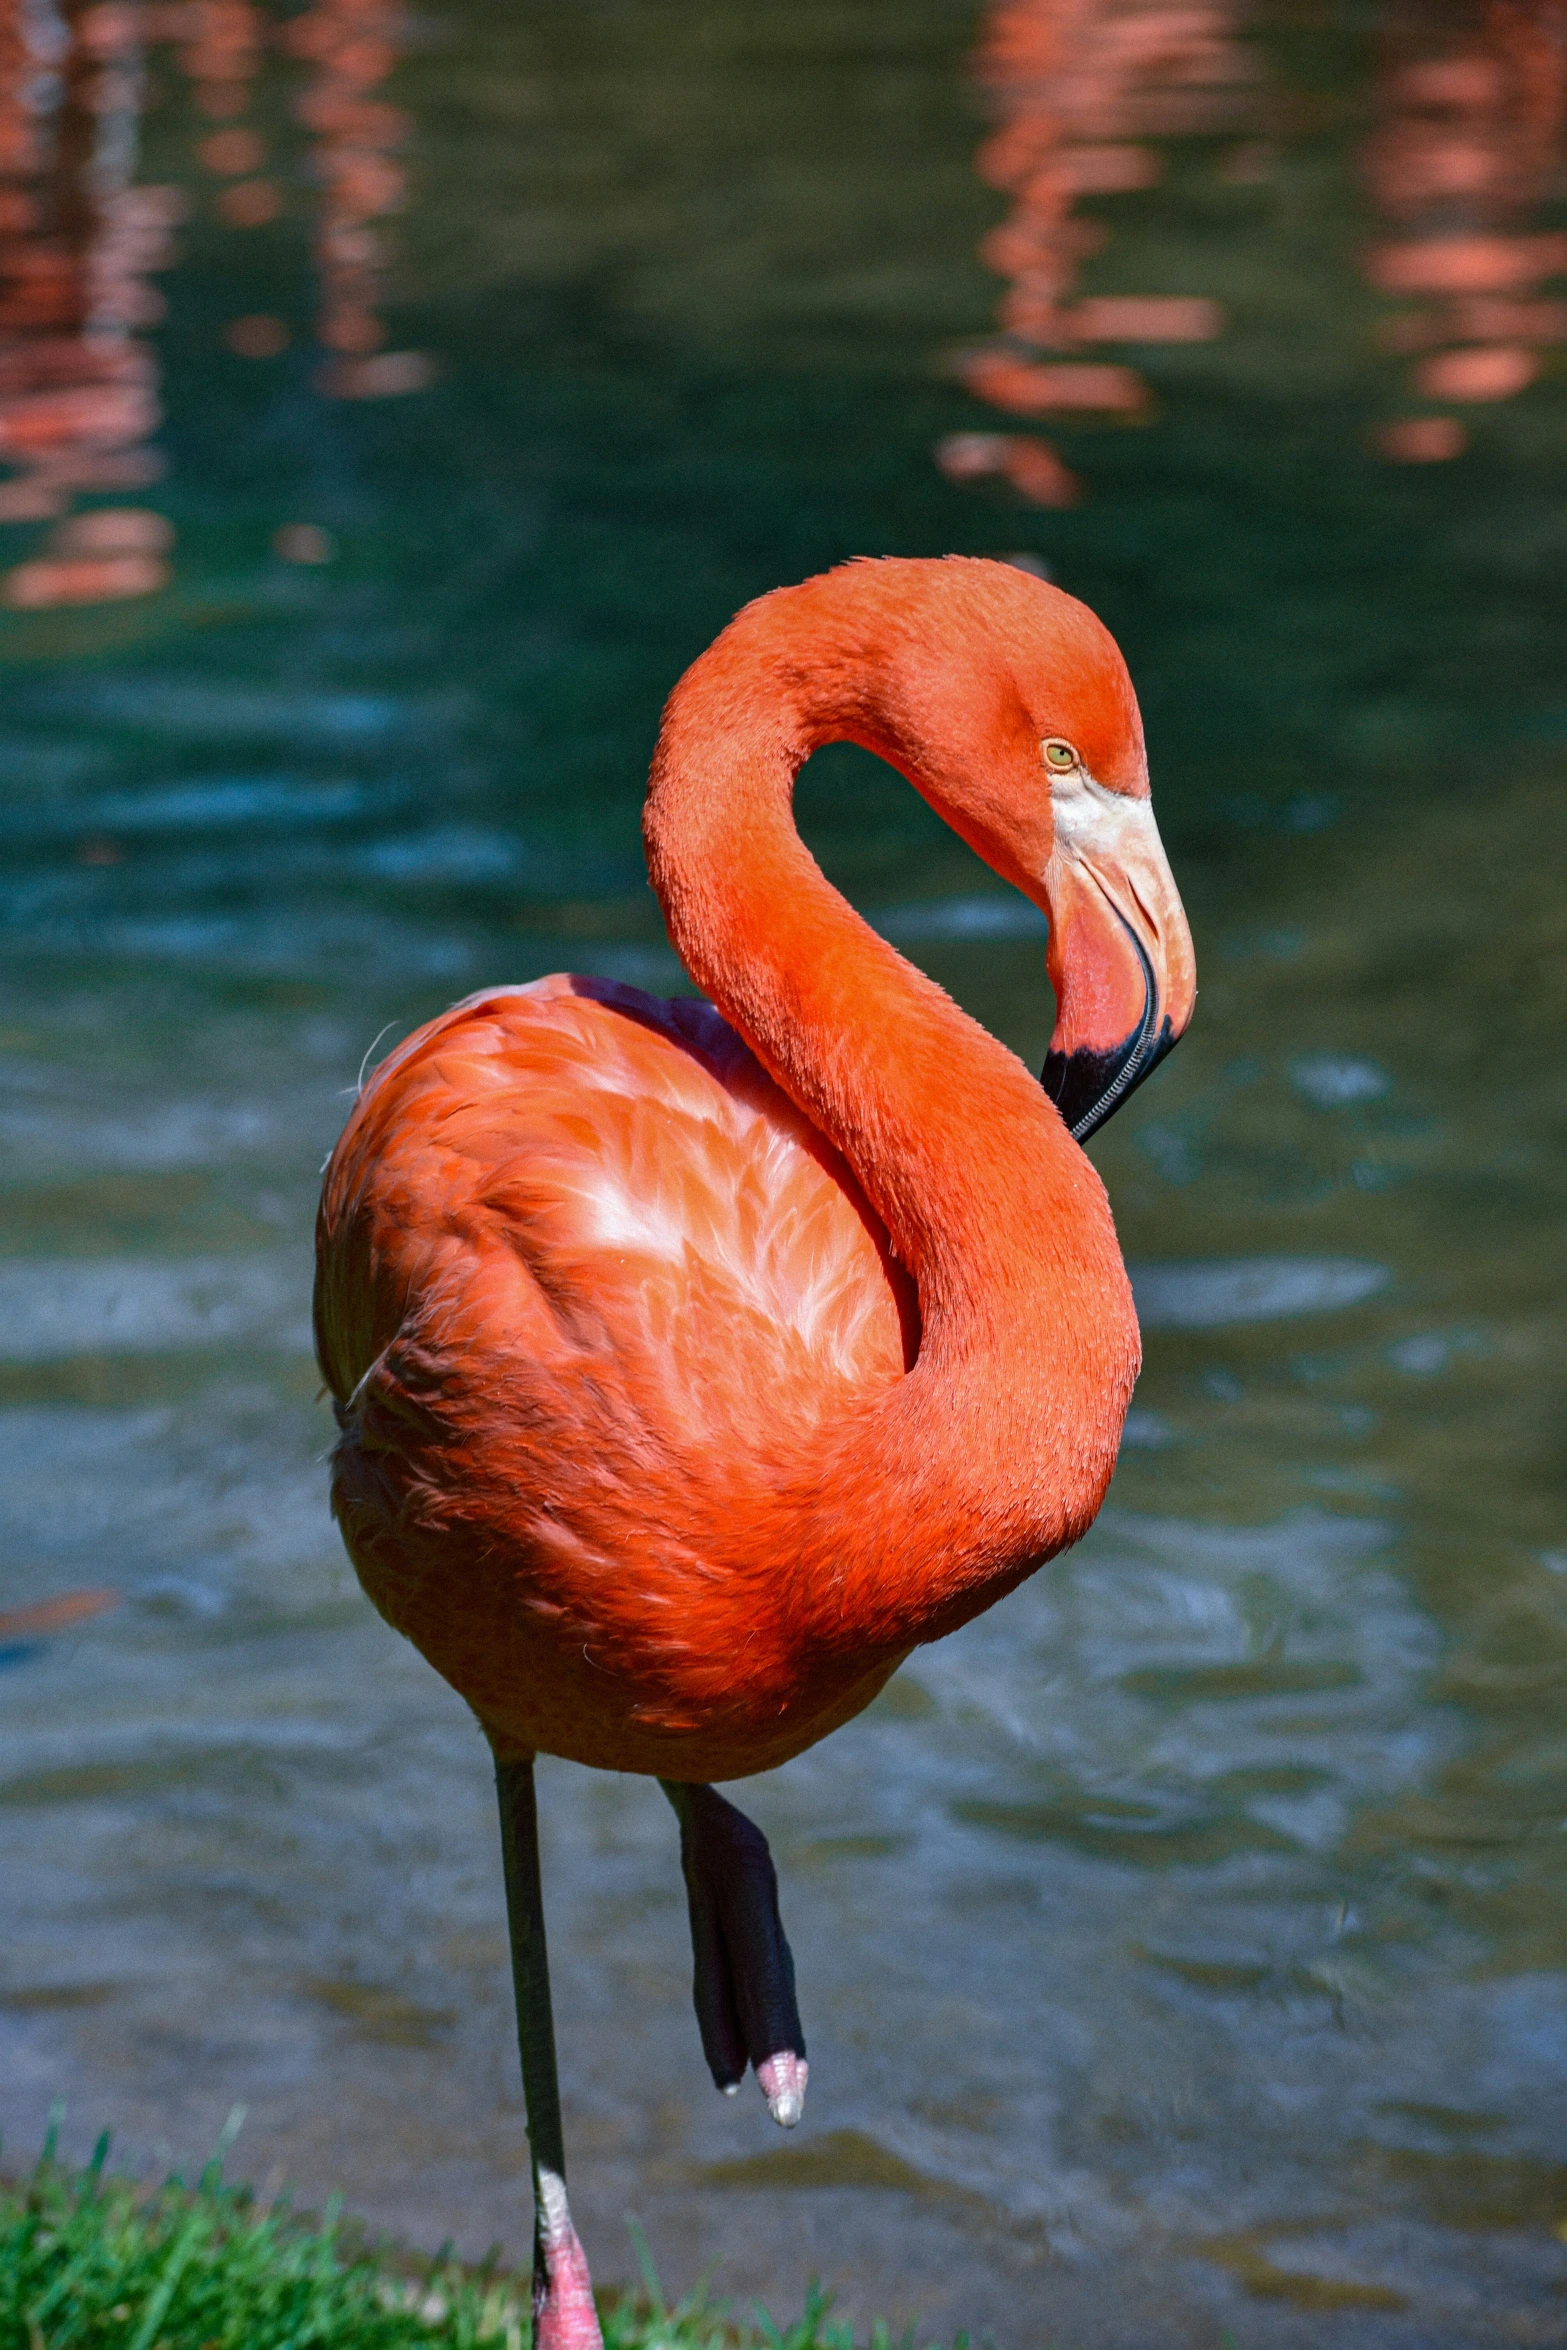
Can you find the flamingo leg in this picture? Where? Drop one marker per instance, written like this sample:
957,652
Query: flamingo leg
564,2317
743,1983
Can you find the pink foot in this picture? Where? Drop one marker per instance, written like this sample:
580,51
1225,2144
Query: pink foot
782,2078
564,2317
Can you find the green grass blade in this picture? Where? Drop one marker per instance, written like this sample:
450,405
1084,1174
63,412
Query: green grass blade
184,2244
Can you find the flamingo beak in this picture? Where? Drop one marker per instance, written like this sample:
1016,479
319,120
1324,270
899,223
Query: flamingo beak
1120,955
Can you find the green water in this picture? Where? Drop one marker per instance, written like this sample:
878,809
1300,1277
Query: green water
1182,1946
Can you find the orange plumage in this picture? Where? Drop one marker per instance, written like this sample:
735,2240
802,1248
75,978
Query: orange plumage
649,1286
682,1394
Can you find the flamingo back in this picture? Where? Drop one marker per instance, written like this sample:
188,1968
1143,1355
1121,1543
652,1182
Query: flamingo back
587,1282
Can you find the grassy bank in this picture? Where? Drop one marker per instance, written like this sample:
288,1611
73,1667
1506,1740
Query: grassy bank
92,2261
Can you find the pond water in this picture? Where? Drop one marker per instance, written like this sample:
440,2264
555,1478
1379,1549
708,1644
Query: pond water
1182,1946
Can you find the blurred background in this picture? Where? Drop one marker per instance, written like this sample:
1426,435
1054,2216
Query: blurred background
392,401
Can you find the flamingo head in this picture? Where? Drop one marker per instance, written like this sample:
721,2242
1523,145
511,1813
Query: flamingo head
1009,707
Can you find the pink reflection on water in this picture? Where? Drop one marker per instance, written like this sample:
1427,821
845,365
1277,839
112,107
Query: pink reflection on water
220,44
351,46
78,246
1081,90
80,243
1468,148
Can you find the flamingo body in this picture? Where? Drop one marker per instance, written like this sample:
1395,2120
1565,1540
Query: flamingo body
692,1364
591,1286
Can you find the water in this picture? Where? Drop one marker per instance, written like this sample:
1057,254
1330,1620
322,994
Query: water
1181,1946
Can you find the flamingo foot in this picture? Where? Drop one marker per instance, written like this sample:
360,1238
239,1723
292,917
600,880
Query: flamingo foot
564,2317
743,1983
783,2077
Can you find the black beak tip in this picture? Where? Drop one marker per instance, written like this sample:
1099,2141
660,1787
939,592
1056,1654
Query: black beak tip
1087,1088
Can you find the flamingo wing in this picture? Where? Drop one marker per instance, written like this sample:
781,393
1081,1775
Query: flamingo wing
586,1279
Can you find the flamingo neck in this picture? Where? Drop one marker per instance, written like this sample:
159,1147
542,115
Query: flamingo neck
1028,1345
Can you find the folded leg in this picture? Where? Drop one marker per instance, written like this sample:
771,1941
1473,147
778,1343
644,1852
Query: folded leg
743,1983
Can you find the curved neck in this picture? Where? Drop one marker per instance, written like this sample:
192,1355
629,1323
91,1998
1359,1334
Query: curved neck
1028,1340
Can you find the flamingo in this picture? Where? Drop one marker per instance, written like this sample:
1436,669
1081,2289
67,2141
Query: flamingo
694,1361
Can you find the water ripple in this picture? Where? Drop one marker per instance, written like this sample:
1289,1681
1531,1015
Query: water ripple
1251,1289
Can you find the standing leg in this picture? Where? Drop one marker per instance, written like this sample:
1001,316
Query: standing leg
744,1978
563,2314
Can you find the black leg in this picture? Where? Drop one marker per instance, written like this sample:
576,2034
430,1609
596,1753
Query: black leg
563,2314
743,1983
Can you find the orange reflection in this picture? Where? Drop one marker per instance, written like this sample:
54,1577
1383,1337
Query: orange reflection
79,243
1082,89
1469,148
78,391
219,46
351,46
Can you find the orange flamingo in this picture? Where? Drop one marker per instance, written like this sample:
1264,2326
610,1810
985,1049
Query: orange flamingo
695,1361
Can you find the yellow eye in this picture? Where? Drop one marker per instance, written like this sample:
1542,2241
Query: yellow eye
1058,755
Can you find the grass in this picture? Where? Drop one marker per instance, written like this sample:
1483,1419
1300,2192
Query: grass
90,2260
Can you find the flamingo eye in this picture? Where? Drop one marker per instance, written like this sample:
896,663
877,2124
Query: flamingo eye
1058,756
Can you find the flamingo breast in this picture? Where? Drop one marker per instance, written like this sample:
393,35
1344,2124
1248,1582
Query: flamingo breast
589,1289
